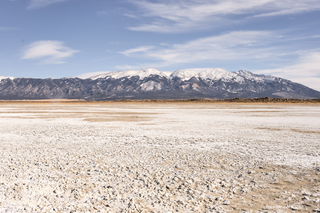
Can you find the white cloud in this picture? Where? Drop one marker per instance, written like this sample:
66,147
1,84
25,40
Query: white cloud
8,28
284,12
178,15
305,71
137,50
36,4
50,52
128,67
233,45
138,66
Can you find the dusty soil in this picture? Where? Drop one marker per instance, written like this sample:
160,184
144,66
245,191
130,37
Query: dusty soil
159,157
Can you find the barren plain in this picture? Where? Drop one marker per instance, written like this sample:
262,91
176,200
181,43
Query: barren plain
159,157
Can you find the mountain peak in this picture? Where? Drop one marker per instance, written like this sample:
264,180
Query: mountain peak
216,74
151,70
243,72
184,75
143,73
3,77
255,77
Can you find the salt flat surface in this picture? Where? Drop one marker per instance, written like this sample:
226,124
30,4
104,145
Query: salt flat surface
159,157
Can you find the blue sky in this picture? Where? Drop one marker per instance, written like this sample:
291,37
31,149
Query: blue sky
61,38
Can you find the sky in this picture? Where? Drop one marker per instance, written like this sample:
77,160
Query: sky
66,38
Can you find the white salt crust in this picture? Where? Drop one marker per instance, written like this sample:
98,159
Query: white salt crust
159,158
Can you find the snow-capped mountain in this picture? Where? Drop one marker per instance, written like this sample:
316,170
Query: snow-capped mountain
154,84
184,75
214,74
143,73
3,77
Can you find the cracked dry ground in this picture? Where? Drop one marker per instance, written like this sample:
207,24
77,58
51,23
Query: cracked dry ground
159,158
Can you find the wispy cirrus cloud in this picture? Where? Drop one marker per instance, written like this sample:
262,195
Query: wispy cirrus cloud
8,28
306,70
137,50
36,4
178,16
48,52
232,45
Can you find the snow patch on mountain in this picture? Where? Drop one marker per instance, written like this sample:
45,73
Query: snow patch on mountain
143,73
255,77
91,74
150,86
3,77
184,75
217,74
212,74
167,73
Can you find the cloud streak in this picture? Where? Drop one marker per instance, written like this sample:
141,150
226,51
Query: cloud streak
137,50
232,45
178,16
305,71
36,4
8,28
49,52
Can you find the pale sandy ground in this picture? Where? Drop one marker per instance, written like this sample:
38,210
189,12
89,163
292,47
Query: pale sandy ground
140,157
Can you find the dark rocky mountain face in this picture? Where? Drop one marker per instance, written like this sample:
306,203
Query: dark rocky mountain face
156,85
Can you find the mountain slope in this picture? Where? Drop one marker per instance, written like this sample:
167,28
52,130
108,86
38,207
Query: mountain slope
153,84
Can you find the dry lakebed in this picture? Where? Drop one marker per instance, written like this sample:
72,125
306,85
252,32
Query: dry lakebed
159,157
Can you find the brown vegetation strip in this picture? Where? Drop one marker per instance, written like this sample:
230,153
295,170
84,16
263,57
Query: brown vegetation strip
118,118
233,100
294,130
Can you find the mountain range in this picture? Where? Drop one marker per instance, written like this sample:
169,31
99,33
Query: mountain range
153,84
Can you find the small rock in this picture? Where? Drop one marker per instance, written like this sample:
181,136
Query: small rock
306,193
305,198
226,202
